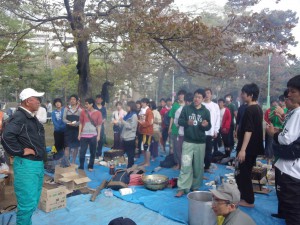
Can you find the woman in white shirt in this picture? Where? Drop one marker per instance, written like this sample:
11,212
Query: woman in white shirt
156,130
116,121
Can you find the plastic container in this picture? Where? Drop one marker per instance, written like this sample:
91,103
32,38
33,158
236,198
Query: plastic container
126,191
200,211
108,192
112,168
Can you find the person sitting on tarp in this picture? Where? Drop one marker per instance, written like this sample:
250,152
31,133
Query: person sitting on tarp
225,204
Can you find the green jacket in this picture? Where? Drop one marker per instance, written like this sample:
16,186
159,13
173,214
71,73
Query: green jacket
175,106
194,133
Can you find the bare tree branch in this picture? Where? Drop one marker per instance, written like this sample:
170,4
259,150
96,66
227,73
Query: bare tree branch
38,20
22,36
5,53
109,11
64,44
185,68
70,17
229,24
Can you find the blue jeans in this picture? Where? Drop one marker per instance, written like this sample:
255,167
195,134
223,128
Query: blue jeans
84,143
29,176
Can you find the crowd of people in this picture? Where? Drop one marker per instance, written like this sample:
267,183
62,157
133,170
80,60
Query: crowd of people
194,126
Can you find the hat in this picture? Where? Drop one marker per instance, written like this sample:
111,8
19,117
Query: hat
29,92
228,192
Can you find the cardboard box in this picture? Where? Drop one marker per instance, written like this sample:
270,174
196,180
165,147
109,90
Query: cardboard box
53,197
112,154
60,170
74,181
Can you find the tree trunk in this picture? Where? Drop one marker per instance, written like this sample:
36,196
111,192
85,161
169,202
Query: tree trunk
81,36
161,77
83,70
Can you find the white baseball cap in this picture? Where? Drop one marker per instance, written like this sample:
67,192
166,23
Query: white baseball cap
29,92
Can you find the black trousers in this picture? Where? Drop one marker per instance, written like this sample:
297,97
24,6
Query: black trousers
59,142
84,144
208,152
100,142
231,136
217,142
165,134
117,141
243,178
140,140
129,148
288,194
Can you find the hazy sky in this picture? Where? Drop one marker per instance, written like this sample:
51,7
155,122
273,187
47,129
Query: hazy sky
187,5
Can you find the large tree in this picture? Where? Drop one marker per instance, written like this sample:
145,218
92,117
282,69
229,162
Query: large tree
151,32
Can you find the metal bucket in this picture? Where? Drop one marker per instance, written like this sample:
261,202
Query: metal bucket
200,211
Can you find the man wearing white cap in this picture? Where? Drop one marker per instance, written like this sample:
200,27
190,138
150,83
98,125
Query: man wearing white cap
24,138
225,203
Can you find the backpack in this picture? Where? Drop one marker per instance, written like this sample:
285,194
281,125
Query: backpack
5,121
168,162
119,180
167,119
217,157
4,124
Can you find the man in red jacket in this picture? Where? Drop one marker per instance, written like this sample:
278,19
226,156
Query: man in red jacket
225,122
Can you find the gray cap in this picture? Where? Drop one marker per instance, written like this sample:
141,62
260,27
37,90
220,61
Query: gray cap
228,192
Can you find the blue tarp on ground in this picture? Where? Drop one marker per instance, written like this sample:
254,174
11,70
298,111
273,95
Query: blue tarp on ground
167,205
81,211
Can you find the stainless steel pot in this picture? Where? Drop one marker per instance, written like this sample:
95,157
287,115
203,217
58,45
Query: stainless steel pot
200,211
155,182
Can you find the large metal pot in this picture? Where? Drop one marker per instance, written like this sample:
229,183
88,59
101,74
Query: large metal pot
200,211
155,182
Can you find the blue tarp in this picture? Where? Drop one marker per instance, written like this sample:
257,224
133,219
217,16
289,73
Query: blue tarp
81,211
176,209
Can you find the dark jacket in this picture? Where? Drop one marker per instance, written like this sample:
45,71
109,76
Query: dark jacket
287,152
196,132
24,131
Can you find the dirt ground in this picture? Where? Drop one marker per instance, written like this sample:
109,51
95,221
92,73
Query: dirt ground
7,194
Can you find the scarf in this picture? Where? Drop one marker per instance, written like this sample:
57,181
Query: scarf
128,116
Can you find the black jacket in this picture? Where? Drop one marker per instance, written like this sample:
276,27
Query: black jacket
24,131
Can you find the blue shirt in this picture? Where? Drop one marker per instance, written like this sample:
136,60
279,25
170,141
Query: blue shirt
102,110
57,119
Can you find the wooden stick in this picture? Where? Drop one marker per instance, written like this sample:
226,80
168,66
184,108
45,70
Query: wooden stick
98,190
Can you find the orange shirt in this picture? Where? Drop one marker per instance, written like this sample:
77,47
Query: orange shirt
146,127
1,119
